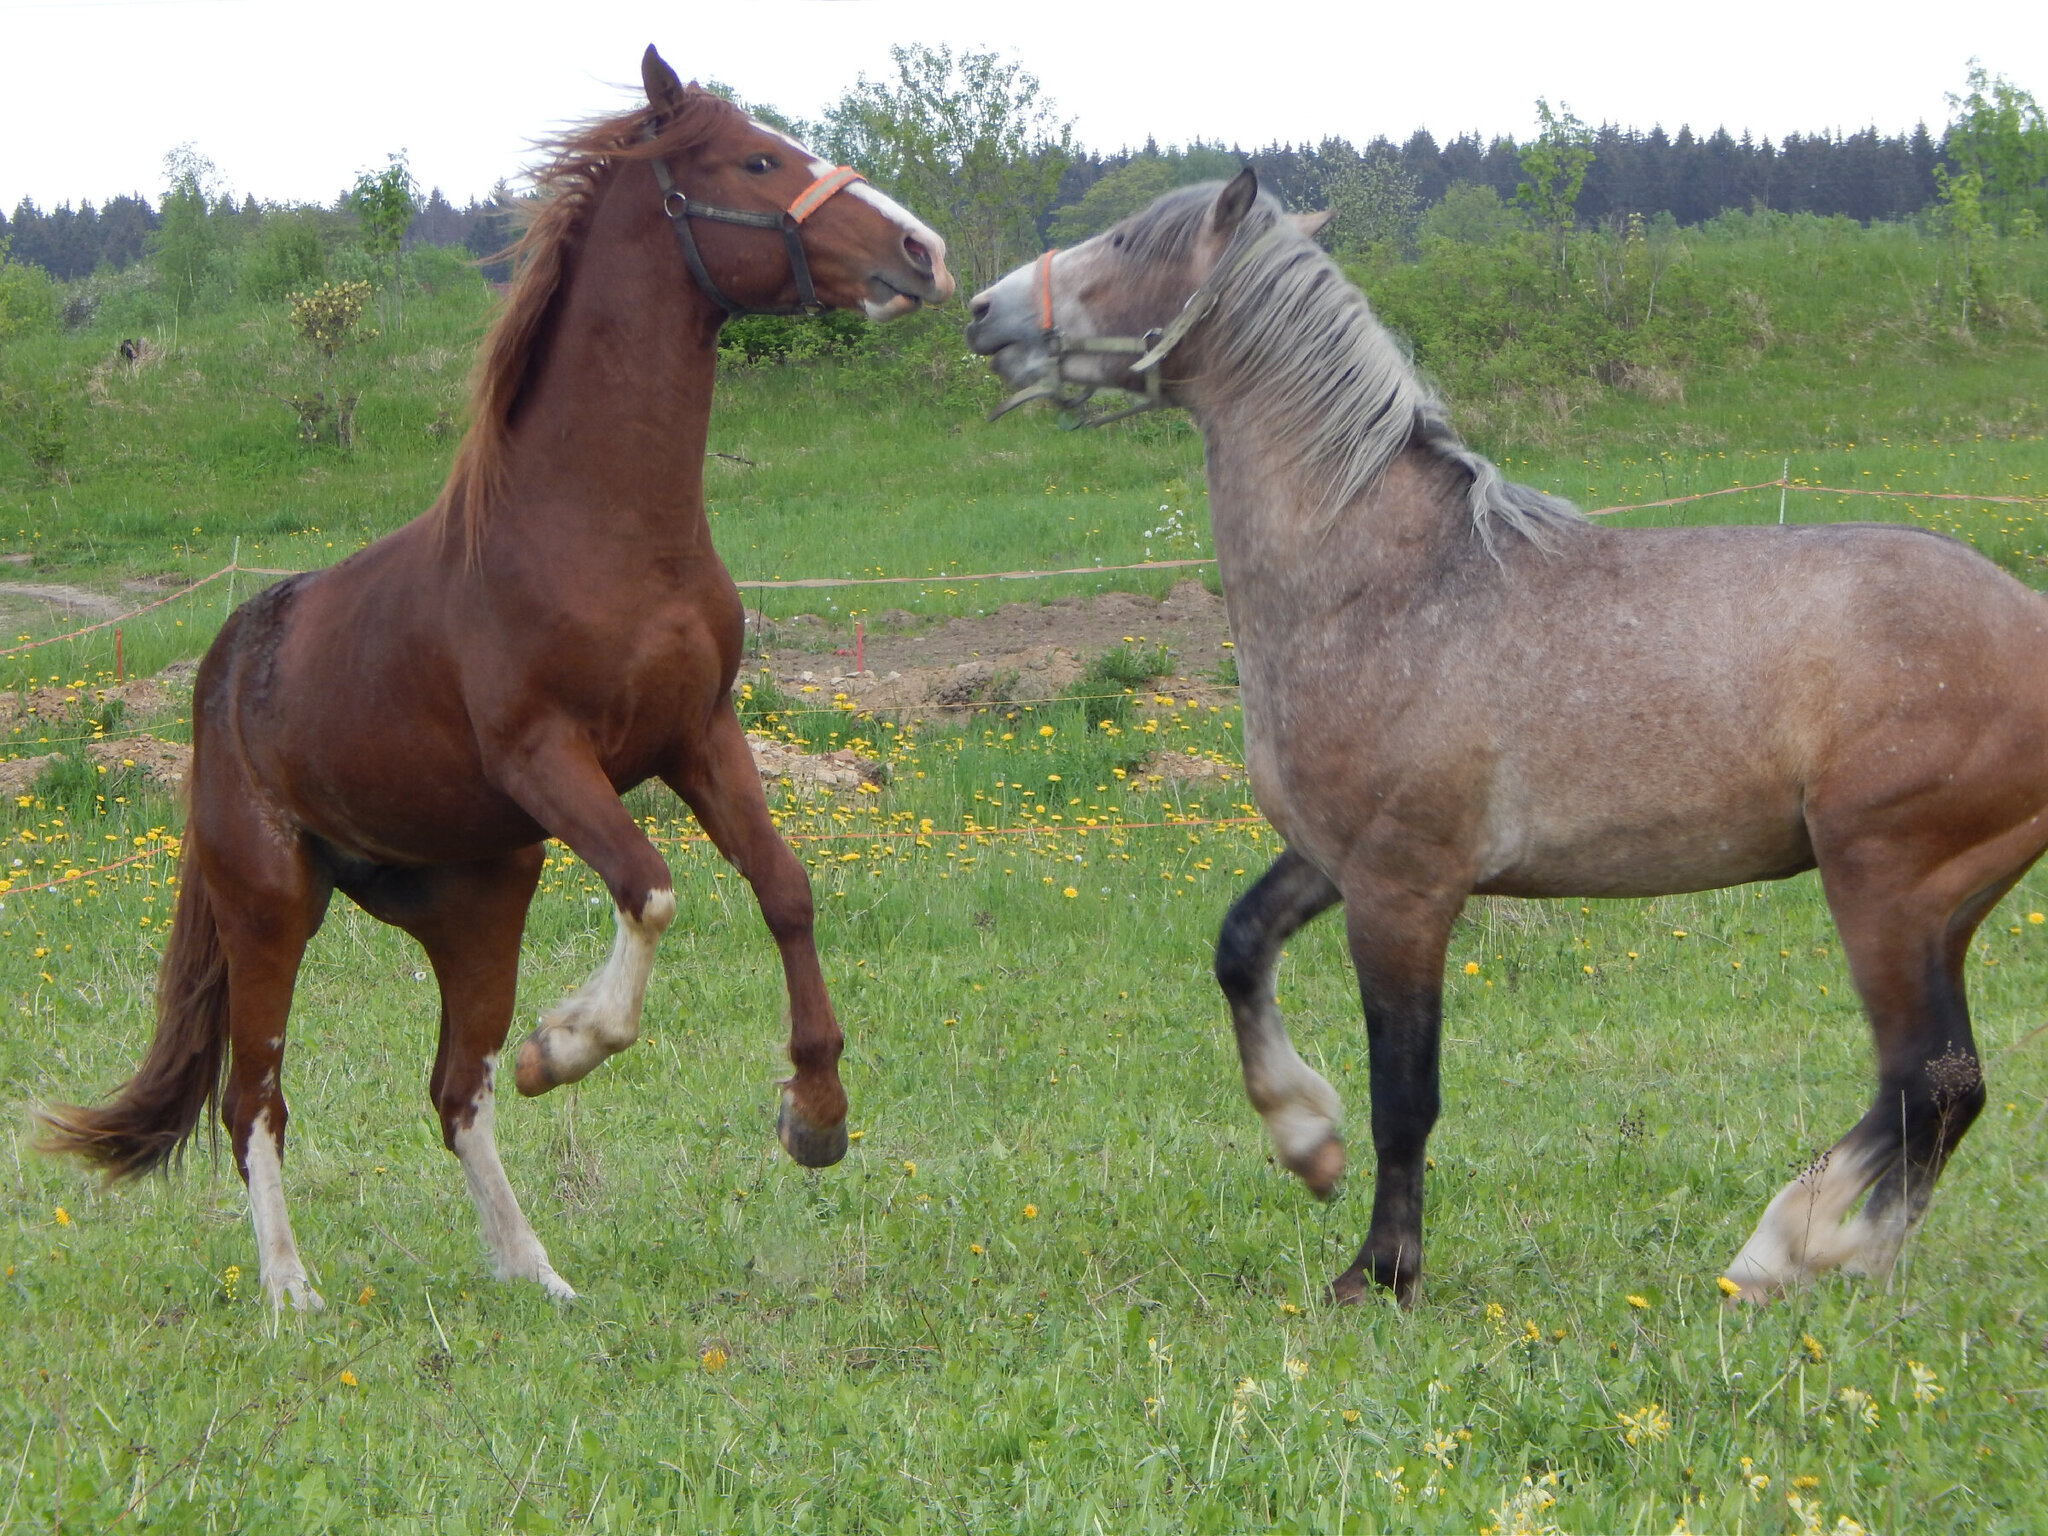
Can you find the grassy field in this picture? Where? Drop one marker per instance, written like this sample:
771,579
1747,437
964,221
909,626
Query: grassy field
1057,1285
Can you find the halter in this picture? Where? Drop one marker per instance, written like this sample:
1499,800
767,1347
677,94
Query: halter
1153,348
681,208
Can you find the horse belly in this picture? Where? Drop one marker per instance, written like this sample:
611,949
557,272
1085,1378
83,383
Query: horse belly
1661,848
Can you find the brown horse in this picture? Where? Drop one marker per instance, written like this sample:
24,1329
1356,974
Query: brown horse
410,725
1453,684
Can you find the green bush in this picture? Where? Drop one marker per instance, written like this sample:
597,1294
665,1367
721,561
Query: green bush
29,300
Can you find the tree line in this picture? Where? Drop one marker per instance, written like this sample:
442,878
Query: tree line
972,142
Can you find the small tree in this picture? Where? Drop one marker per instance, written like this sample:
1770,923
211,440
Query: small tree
968,142
1960,214
2000,137
328,320
385,202
1553,170
190,240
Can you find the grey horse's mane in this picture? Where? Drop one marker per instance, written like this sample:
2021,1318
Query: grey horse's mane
1306,353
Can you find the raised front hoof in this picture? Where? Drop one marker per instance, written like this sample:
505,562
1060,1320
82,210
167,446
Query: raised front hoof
557,1288
811,1146
530,1071
1322,1170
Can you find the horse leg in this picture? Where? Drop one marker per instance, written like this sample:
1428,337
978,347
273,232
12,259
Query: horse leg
721,786
561,786
1300,1108
469,919
268,901
1906,950
1399,937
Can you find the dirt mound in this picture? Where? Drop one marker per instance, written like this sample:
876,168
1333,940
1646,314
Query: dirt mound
1022,651
844,769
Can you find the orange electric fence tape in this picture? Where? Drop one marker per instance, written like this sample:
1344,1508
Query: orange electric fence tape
1088,570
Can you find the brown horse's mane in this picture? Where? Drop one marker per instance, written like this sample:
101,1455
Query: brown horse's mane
566,188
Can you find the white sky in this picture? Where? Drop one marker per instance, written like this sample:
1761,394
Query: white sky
292,99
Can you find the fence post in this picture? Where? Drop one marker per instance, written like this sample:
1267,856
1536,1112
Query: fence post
1784,480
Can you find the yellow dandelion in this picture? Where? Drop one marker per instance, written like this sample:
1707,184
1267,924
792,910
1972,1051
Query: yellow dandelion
1727,1287
1471,967
855,1135
976,1249
348,1379
713,1359
1812,1346
909,1168
1289,1309
2036,917
1678,933
1640,1303
1045,730
63,1217
1031,1213
366,1295
1070,893
1350,1415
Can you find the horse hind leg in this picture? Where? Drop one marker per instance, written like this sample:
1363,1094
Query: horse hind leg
1300,1108
268,910
470,919
1909,973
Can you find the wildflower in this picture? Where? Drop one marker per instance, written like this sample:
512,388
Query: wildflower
1031,1213
1494,1312
63,1217
713,1359
1246,1389
230,1279
1070,893
855,1135
1728,1287
1678,933
1440,1447
1530,1332
1471,967
1045,730
1860,1405
1640,1303
2036,917
367,1295
1813,1349
1805,1480
1925,1388
1289,1309
1648,1422
348,1379
909,1169
1392,1478
1297,1369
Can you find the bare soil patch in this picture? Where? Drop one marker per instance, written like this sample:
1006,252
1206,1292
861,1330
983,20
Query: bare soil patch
1022,651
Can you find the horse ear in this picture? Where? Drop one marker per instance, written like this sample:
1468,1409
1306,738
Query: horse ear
664,88
1311,224
1235,201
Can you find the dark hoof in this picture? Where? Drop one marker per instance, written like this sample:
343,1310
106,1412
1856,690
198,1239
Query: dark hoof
812,1146
1322,1170
1354,1286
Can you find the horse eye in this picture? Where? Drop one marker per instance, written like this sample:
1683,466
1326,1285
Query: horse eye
760,165
1116,242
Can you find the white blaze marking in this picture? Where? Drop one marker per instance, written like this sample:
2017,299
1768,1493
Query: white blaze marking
912,225
516,1254
277,1256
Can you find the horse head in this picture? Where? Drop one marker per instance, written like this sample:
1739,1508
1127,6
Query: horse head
727,184
1108,313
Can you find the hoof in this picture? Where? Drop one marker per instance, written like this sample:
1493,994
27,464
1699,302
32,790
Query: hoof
1347,1290
530,1068
812,1146
1322,1170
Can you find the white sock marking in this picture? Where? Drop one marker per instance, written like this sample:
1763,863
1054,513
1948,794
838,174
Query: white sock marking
1801,1234
516,1253
602,1017
277,1256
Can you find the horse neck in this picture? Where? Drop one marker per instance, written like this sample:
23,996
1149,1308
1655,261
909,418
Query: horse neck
1287,559
613,427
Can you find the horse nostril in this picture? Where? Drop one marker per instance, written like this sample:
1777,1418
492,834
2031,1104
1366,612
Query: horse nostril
920,258
979,308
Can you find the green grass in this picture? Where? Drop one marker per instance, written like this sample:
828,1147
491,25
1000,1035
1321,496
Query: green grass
903,1347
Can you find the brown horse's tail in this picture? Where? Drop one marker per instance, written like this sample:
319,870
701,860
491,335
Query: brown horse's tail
146,1124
